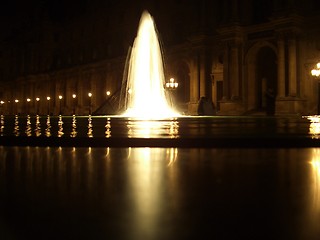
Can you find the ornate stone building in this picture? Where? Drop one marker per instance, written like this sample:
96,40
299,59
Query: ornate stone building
230,51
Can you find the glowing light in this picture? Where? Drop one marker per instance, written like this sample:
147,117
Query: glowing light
1,102
147,97
315,163
16,100
48,98
145,128
90,94
108,93
314,128
316,72
74,95
37,99
171,85
28,100
60,97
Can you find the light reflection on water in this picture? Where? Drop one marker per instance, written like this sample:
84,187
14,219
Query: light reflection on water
149,128
164,193
314,128
74,127
182,127
37,128
108,128
60,126
16,130
1,124
28,130
314,205
90,130
48,127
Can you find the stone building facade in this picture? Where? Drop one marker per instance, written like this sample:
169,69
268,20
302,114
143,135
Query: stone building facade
229,51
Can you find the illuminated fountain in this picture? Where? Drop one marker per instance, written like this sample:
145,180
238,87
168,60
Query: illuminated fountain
146,97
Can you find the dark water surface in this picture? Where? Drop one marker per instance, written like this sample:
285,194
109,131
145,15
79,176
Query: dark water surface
186,189
159,193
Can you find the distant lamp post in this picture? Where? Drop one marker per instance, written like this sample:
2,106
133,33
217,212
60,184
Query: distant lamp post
48,99
16,101
74,103
89,95
28,102
316,73
171,86
60,98
1,104
37,99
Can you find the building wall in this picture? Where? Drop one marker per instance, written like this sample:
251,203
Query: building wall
211,47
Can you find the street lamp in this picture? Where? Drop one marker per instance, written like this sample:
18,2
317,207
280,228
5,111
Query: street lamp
48,98
74,103
28,101
1,104
16,101
89,95
316,73
37,99
60,98
172,84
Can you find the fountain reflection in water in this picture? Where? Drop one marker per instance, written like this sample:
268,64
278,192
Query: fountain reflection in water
145,94
152,128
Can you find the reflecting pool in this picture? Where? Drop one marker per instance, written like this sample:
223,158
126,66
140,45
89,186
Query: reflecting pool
181,127
159,193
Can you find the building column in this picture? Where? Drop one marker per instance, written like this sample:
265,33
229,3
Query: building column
292,51
226,92
205,66
281,68
194,82
202,74
234,71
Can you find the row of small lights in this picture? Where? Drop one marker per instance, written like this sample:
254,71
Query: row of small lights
170,85
48,98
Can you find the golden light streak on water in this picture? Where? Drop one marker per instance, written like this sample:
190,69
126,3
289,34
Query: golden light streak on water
48,127
60,126
16,130
145,93
74,126
90,127
28,130
315,163
1,124
37,129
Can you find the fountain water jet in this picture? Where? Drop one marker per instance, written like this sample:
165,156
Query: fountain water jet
145,93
